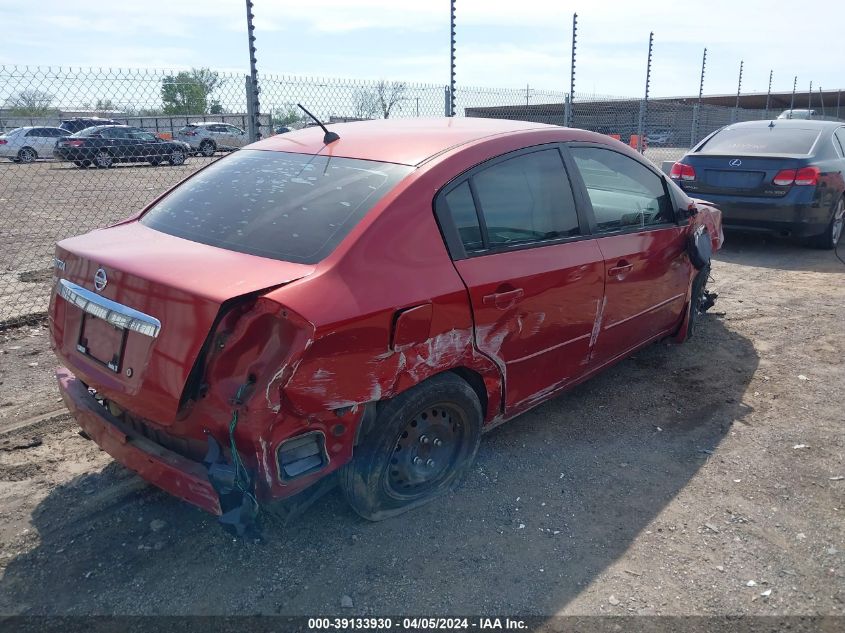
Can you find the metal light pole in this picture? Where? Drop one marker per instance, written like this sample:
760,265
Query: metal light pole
810,97
452,61
253,106
567,115
821,98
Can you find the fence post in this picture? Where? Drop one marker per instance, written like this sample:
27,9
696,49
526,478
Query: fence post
696,113
252,96
447,101
641,128
768,94
571,96
451,110
567,110
250,110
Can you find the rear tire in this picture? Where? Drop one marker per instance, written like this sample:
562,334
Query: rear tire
207,148
27,155
421,445
833,233
103,159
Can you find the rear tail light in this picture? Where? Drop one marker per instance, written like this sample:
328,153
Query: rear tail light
3,141
784,177
73,143
680,171
802,177
808,176
188,133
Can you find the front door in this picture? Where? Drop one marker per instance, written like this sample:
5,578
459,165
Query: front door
534,276
647,271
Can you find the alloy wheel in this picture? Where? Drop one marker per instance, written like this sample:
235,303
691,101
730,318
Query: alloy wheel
103,159
27,155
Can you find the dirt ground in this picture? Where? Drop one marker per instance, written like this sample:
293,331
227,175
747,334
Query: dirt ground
705,478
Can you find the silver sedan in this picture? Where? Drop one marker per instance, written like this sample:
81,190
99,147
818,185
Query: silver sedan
207,138
25,144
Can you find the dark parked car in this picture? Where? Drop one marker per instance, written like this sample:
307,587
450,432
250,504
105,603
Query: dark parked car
782,176
105,145
78,124
314,309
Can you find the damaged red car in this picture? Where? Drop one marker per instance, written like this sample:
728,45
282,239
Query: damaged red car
358,307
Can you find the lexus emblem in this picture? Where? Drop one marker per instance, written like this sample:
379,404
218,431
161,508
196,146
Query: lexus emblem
735,162
100,279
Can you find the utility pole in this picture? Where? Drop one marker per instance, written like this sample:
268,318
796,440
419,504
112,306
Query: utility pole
253,106
810,97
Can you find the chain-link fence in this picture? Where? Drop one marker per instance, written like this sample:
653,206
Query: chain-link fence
54,185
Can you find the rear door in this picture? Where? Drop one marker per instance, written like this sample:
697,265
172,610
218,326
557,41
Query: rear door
646,269
534,275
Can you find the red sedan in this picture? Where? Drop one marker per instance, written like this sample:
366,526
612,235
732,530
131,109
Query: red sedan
367,306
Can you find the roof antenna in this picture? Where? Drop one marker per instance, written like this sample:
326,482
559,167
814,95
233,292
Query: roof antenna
330,137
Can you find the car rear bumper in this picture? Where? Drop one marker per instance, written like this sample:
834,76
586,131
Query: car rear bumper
163,468
796,220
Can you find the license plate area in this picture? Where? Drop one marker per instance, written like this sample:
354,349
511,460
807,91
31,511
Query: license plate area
102,342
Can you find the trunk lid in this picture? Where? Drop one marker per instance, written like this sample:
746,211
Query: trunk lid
738,175
178,283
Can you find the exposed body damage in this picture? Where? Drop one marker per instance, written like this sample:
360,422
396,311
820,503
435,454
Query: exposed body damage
272,375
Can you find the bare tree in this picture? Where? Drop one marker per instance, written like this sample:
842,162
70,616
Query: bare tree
30,102
379,101
390,95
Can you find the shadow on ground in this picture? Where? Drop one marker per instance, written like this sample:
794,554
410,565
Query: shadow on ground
765,251
555,497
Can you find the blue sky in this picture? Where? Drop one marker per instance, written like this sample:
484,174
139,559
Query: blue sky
500,44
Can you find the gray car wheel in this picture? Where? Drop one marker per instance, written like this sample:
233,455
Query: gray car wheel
103,159
177,157
207,148
27,155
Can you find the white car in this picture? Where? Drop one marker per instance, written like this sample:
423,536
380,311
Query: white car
210,137
25,144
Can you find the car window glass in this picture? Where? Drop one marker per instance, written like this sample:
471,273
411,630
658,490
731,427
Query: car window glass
761,140
234,130
462,209
36,131
839,135
293,207
142,135
623,192
526,198
217,128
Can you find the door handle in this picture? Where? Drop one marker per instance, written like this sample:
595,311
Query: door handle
622,268
503,300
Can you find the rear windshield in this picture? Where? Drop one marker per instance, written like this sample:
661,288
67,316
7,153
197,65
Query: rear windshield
761,140
293,207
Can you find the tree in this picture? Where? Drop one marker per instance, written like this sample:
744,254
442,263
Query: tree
380,100
286,116
30,102
188,92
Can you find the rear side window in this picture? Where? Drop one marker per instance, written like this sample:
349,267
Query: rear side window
462,209
839,136
761,140
526,198
292,207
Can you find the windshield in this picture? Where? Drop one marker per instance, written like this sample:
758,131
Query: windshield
89,131
761,140
293,207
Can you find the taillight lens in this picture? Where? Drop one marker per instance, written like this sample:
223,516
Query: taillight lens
801,177
3,141
73,143
784,177
186,133
680,171
808,176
